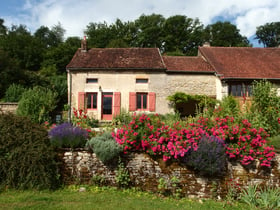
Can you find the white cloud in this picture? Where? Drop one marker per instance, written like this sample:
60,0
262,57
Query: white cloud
76,15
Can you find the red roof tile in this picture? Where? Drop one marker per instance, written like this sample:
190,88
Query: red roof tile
244,62
186,64
123,58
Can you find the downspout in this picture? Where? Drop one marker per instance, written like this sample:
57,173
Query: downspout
70,96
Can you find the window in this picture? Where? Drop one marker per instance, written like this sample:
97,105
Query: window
142,81
240,89
92,100
92,80
141,101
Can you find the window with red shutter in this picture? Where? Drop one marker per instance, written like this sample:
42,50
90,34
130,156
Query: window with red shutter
132,101
152,101
117,103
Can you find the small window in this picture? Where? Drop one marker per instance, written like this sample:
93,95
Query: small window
142,81
92,80
92,100
141,101
240,90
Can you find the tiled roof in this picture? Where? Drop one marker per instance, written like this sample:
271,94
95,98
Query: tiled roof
243,62
186,64
117,58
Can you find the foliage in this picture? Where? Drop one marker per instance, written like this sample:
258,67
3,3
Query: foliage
225,34
104,146
275,141
26,157
202,101
122,176
80,118
14,93
233,191
265,198
268,34
37,103
66,135
265,107
210,157
244,143
123,118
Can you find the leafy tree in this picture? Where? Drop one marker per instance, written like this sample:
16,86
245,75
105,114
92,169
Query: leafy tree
182,34
149,33
225,34
37,104
269,34
3,28
9,72
23,47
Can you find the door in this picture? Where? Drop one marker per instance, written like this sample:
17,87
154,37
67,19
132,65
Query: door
107,106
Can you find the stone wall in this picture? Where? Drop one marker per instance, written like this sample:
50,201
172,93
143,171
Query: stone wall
8,107
81,166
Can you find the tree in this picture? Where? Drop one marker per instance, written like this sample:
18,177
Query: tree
20,45
224,34
149,30
269,34
181,33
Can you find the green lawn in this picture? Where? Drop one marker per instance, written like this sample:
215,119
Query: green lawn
100,198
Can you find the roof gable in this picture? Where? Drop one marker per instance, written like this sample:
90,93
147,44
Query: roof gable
117,58
244,62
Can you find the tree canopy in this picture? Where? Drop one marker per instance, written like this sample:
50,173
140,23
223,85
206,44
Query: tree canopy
269,34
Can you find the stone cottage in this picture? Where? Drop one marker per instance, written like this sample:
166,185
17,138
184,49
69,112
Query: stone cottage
105,81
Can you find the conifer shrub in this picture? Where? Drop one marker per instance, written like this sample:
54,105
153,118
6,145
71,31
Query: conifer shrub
209,158
66,135
27,160
105,147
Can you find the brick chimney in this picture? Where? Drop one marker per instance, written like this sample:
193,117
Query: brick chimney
206,44
84,45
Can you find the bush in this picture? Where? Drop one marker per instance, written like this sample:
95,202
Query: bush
26,158
14,93
37,104
66,135
105,147
209,158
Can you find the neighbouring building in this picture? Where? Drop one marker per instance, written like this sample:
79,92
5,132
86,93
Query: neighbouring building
105,81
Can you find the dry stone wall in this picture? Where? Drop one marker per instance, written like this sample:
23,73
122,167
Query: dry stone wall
81,166
8,107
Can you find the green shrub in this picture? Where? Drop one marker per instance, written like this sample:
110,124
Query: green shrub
14,93
26,157
122,175
105,147
37,104
275,141
123,118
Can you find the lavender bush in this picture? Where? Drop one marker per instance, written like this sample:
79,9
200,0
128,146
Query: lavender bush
209,158
66,135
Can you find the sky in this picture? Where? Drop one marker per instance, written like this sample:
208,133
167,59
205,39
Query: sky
75,15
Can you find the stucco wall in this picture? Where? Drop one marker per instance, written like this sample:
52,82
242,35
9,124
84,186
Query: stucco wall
124,81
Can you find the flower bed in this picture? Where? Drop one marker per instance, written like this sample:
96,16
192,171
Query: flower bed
241,141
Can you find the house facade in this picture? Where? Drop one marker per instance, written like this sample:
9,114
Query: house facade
106,81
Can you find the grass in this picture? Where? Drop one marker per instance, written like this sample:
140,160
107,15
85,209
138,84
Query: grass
102,198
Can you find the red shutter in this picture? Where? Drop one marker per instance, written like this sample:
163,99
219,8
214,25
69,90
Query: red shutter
152,102
132,101
81,100
117,103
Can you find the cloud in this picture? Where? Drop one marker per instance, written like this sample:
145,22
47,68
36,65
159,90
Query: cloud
76,15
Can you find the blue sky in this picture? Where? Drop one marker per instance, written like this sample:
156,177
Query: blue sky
75,15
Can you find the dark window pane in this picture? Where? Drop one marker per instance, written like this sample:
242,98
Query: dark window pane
139,81
138,101
94,101
107,105
89,101
144,101
92,80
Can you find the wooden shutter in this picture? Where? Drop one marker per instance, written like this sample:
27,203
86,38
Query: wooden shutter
117,103
81,100
152,101
132,101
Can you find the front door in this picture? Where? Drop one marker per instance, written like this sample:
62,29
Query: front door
107,106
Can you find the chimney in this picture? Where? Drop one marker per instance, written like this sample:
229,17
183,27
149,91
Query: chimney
206,44
84,45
